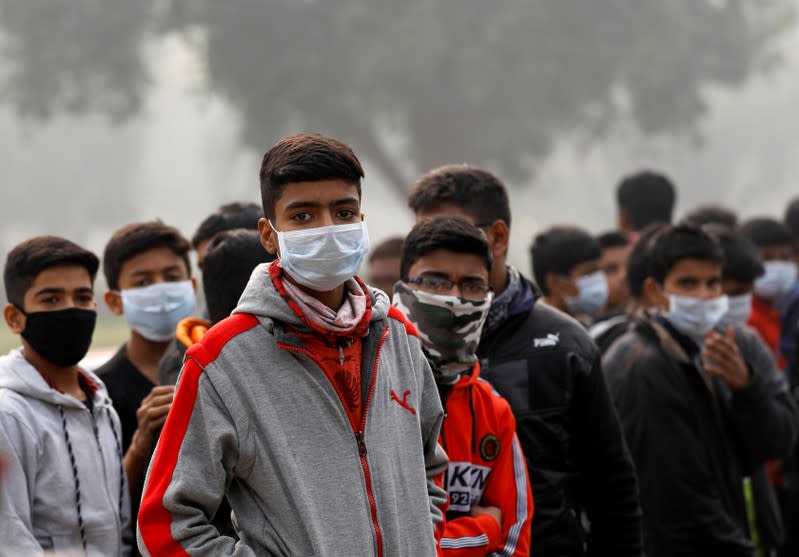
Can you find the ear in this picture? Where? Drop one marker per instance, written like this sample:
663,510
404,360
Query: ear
14,318
498,238
268,237
114,302
624,221
654,297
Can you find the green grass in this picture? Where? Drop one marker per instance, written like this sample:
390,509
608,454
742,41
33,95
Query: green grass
109,333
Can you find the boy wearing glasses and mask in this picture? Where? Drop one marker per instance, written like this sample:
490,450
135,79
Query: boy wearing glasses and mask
64,485
312,408
697,415
445,293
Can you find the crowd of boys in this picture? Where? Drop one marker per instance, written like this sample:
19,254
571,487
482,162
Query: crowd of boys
636,396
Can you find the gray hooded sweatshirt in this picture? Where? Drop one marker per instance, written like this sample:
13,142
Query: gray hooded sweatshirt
39,504
256,420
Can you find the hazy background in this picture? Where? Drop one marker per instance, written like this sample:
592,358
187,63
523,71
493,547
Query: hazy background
113,111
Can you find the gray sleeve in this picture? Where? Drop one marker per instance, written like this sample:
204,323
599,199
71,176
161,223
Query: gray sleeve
18,452
199,440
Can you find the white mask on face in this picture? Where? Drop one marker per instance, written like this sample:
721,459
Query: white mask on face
694,317
592,294
738,312
778,280
154,311
323,258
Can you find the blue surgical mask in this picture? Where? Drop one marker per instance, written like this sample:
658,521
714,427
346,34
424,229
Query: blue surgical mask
154,311
694,317
738,312
778,280
592,296
323,258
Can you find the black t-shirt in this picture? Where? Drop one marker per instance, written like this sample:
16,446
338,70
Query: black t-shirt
127,387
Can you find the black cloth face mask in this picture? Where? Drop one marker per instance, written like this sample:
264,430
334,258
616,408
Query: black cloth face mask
61,337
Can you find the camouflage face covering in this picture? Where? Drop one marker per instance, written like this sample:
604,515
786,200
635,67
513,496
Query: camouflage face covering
449,327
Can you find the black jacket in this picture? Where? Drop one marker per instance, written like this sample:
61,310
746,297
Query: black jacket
546,366
693,439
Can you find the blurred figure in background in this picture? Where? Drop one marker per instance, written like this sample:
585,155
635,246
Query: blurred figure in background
711,214
613,262
775,245
546,366
644,198
445,293
566,269
146,266
384,264
64,485
227,217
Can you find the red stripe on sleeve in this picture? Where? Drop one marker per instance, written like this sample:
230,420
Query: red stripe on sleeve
155,521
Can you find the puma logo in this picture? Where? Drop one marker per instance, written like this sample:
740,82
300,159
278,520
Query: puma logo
404,401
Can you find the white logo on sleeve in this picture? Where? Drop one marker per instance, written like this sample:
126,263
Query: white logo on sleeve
552,339
465,483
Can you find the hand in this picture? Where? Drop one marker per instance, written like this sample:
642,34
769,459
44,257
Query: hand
721,357
150,416
494,512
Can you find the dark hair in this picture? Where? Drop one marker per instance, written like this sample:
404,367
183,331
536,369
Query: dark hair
792,217
612,239
232,256
478,192
638,260
305,158
676,243
133,239
26,260
388,248
453,234
741,260
711,214
559,250
228,217
646,197
765,231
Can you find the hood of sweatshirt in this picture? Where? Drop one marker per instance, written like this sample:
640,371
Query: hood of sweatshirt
262,298
18,375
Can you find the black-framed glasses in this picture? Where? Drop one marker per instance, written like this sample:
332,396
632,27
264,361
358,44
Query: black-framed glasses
474,290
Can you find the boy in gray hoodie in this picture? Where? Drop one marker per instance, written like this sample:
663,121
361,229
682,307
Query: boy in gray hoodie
64,487
312,408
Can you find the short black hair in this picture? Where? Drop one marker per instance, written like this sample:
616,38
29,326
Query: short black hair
742,263
479,193
676,243
232,256
305,158
766,231
388,248
792,217
228,217
711,214
638,260
559,250
646,197
26,260
612,239
133,239
453,234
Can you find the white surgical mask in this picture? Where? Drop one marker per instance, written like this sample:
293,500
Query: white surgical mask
592,295
154,311
694,317
325,257
778,280
738,312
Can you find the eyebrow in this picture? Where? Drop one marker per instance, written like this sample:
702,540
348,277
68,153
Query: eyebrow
315,204
81,289
151,271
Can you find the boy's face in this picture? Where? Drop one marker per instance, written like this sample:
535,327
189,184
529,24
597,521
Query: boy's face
561,287
54,289
458,268
692,278
732,287
614,264
497,232
148,267
777,252
306,205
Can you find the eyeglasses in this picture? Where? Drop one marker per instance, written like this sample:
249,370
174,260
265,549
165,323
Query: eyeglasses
474,290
